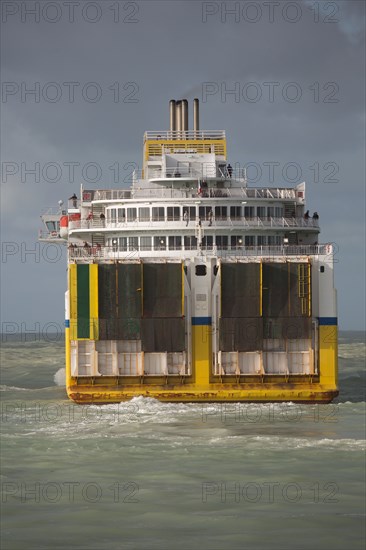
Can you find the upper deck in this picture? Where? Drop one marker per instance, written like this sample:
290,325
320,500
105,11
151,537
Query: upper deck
186,183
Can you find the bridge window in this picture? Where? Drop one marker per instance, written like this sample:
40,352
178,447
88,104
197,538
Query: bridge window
207,242
278,211
158,214
145,243
144,214
222,241
51,226
112,214
236,241
133,243
173,213
274,240
249,211
122,244
235,212
160,243
203,212
190,242
175,242
131,214
191,211
220,212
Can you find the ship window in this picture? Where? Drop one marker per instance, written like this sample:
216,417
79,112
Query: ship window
278,212
175,242
203,212
158,214
262,240
191,211
160,243
173,213
122,243
261,211
249,240
222,241
113,212
133,243
51,226
131,214
190,242
271,212
201,270
274,240
322,269
235,212
121,215
249,211
236,241
207,242
144,214
145,243
220,212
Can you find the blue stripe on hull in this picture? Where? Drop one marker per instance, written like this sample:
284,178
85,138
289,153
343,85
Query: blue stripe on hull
201,321
328,321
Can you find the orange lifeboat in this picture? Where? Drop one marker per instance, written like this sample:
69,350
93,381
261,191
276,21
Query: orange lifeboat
64,223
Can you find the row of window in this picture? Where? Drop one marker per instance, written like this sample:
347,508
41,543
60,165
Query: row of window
175,242
176,213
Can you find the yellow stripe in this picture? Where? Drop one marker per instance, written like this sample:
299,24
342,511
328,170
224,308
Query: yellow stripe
261,289
93,301
201,350
155,147
309,289
182,288
67,357
142,289
73,300
328,355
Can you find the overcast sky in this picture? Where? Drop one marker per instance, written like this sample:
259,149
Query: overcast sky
103,72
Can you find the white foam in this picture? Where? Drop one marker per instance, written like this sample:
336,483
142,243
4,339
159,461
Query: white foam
60,377
4,387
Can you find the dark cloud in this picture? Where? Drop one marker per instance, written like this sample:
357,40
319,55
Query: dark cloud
170,52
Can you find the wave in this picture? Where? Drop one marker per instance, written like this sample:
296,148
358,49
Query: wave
356,350
4,387
283,443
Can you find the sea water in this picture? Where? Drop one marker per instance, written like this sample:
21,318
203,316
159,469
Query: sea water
149,475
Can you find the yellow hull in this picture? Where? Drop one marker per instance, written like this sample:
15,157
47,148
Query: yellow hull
259,393
201,385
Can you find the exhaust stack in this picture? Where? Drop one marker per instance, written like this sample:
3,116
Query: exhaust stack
172,113
196,115
178,116
184,115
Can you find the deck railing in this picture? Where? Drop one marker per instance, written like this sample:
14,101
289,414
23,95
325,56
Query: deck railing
216,222
184,134
110,253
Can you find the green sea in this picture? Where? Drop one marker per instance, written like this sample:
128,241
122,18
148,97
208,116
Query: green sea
145,475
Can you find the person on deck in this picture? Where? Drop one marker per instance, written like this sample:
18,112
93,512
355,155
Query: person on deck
74,199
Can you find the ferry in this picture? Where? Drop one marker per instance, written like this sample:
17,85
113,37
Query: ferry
192,286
